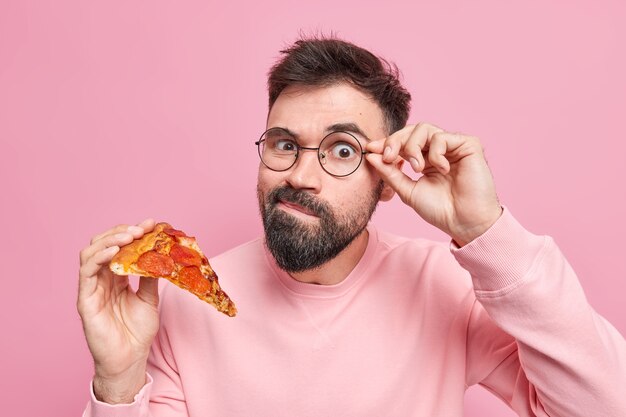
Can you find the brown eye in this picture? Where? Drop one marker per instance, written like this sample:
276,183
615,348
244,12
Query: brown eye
285,145
342,150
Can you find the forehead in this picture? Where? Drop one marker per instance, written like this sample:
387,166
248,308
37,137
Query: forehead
311,110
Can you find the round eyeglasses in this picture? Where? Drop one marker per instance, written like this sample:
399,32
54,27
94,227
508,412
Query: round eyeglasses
339,153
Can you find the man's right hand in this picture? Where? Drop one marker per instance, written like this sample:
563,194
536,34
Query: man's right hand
119,323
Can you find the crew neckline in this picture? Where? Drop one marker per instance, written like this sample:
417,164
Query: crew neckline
326,291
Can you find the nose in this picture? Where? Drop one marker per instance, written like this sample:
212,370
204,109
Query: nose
306,173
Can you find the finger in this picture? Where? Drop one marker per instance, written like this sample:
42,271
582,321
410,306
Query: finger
147,225
407,143
105,239
117,239
148,290
93,265
142,228
414,145
376,146
389,145
87,274
437,154
117,229
441,145
395,143
401,183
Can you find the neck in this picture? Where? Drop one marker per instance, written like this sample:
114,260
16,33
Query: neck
338,268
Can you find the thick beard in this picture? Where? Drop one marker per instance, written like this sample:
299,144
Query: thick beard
298,245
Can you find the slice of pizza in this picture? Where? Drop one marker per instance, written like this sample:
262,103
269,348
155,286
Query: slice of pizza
169,253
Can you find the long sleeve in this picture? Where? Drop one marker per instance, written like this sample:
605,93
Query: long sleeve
557,357
138,408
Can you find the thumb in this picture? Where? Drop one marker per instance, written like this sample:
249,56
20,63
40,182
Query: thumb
391,173
148,290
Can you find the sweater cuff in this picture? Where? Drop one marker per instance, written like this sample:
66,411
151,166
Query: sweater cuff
501,257
139,406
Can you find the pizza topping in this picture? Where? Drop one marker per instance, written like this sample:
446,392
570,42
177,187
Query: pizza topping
191,277
185,256
173,232
156,263
162,246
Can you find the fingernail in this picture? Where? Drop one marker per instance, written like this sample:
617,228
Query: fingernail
134,229
387,152
414,164
112,249
122,236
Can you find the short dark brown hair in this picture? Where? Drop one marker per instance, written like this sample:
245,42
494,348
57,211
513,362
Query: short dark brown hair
323,61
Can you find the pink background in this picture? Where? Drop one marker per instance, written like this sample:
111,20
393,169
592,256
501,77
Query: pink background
111,112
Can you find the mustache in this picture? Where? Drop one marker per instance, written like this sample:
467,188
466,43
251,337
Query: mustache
302,198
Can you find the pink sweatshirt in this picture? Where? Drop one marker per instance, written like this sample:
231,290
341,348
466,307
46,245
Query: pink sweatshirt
404,334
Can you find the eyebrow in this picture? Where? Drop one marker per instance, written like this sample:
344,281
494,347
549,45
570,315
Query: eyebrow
347,127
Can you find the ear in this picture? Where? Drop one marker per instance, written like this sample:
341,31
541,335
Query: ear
388,192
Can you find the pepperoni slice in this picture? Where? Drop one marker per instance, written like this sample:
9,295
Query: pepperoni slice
185,256
193,278
174,232
156,263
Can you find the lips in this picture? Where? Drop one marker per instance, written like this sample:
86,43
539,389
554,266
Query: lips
297,203
297,207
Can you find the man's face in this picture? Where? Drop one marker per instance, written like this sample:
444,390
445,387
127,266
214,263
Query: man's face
310,216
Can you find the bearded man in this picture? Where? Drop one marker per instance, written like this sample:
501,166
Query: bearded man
337,318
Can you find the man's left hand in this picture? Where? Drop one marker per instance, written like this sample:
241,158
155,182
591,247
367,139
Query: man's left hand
456,192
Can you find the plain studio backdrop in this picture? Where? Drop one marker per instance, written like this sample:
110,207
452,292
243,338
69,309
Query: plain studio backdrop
111,112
